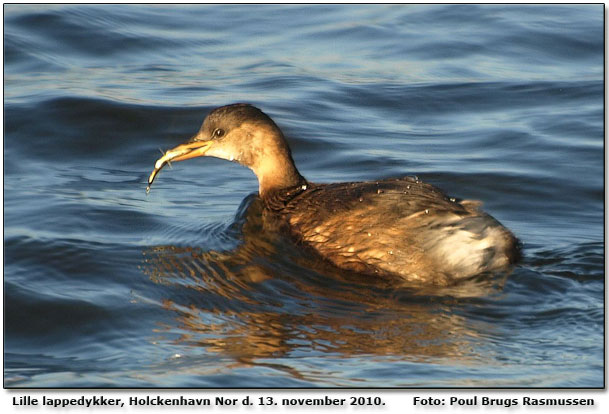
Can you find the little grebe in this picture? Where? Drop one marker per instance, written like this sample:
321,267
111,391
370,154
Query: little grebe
397,227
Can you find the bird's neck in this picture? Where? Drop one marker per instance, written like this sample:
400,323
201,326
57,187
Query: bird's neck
271,160
276,174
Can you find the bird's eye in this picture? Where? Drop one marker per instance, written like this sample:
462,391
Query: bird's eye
218,133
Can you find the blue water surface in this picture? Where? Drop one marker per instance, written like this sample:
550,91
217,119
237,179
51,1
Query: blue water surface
105,286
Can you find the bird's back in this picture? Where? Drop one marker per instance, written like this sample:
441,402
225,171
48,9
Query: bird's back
400,227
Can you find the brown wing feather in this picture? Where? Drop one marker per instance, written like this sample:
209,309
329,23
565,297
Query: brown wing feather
398,227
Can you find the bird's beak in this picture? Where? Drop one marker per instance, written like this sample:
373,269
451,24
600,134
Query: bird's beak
182,152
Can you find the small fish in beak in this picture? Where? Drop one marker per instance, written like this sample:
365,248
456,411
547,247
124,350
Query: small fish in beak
181,152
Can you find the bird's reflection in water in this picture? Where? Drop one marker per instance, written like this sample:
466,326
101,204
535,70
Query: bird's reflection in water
268,298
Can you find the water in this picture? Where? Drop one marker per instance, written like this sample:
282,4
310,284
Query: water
105,286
